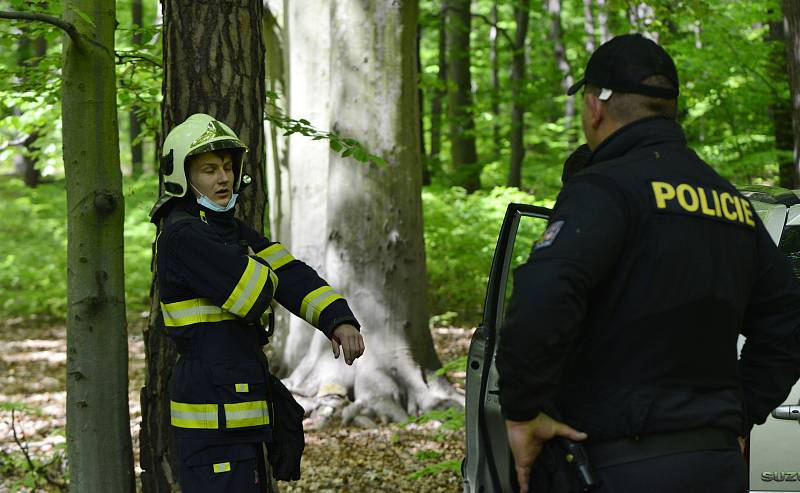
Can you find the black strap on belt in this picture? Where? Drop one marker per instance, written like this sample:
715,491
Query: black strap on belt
625,450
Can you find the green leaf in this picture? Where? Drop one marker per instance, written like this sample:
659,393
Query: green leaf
336,145
360,154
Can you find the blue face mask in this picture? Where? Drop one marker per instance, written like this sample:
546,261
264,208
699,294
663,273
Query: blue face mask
210,204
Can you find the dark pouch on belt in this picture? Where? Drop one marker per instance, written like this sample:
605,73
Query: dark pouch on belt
288,442
552,473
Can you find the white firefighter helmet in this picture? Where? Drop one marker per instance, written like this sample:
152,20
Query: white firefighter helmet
197,134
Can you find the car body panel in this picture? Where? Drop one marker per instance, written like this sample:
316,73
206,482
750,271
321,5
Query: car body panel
774,447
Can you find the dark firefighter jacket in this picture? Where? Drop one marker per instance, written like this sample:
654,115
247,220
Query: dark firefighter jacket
627,313
213,296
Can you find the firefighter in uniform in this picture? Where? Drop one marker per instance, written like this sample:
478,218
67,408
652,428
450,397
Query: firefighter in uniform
625,318
217,278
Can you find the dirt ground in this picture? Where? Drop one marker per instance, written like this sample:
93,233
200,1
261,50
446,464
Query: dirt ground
412,457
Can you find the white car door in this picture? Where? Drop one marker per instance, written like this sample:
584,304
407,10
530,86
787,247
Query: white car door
488,466
774,447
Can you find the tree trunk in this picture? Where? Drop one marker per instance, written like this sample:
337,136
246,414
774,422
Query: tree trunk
588,26
557,38
278,185
29,53
602,21
791,14
495,83
521,16
214,64
426,167
463,152
366,238
98,423
133,120
439,93
780,109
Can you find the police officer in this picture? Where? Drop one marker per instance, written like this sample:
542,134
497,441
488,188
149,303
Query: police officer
625,317
217,278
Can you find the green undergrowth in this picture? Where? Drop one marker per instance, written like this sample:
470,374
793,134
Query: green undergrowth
460,237
33,248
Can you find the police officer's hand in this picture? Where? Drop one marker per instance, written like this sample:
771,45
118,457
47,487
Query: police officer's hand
349,338
526,439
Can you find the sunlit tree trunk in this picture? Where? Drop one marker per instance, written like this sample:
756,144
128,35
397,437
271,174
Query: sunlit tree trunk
602,21
518,69
588,26
495,83
557,39
360,225
213,63
98,422
791,13
463,151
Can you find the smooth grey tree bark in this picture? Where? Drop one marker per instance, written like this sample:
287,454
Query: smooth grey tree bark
353,70
98,422
214,64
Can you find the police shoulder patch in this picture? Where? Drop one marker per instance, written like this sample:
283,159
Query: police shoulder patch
549,235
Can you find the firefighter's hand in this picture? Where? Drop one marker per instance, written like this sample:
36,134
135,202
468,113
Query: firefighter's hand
349,338
526,439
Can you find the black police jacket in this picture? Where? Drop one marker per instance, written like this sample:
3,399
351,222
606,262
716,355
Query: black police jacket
213,298
627,313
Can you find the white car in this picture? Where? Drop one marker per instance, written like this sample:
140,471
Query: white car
774,447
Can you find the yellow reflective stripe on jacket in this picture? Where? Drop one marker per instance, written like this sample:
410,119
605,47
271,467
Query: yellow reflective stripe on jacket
316,301
202,416
222,467
246,291
253,413
276,255
193,311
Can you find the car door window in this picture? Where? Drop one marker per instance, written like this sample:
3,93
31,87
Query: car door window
528,232
790,246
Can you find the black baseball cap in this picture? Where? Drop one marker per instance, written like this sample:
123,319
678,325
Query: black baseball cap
622,63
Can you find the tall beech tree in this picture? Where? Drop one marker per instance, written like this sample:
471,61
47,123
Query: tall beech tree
98,421
360,225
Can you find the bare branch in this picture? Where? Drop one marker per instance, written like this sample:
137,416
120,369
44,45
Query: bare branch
49,19
23,447
20,141
126,55
482,17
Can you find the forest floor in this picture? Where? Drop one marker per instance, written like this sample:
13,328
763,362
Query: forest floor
419,457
